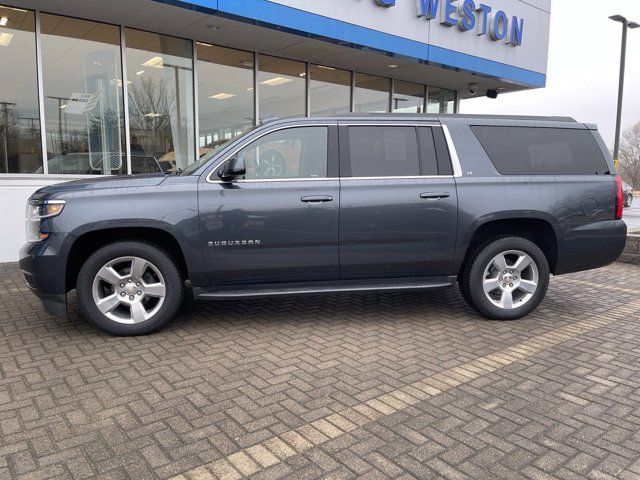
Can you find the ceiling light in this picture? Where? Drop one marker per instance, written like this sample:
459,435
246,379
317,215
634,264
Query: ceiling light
326,68
5,39
272,82
250,89
139,72
155,62
393,65
3,21
204,44
222,96
62,107
303,74
246,63
152,115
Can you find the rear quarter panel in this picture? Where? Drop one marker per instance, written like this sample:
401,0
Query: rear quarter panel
580,209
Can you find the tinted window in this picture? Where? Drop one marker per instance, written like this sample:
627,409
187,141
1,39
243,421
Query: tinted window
542,151
428,158
291,153
383,151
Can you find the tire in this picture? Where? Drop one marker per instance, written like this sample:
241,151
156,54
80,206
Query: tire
151,295
628,200
514,295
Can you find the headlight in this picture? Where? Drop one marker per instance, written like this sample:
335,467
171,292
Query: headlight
37,211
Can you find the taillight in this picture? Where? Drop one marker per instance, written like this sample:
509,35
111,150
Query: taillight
619,202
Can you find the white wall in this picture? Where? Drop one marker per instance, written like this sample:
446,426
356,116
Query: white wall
14,192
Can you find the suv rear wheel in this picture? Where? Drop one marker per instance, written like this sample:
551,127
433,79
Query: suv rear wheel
129,288
505,278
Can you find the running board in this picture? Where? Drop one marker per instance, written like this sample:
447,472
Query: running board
378,285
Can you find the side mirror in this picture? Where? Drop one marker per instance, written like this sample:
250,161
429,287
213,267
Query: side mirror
233,168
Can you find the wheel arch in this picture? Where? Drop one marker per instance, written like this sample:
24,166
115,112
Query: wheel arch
88,242
537,228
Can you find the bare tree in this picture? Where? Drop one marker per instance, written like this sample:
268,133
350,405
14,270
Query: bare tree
630,155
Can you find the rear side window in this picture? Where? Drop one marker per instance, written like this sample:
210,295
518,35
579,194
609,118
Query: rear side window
383,151
541,151
389,151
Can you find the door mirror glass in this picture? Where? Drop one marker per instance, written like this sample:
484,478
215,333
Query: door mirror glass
233,168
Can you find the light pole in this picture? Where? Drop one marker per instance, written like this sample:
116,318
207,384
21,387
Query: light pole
626,24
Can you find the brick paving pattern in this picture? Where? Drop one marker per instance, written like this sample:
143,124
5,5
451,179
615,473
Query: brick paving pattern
394,385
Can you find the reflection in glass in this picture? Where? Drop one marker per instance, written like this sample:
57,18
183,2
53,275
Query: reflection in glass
161,113
441,100
82,85
20,146
330,91
372,93
225,94
282,87
299,152
408,97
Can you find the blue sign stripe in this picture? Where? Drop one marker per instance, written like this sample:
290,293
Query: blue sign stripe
282,17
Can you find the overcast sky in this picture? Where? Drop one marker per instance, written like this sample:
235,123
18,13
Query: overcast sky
584,62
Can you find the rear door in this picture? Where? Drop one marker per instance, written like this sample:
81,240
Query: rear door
399,207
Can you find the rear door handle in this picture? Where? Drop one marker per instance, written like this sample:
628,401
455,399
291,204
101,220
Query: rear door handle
434,195
317,199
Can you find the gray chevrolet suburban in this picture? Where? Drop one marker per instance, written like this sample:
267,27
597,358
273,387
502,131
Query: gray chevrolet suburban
350,203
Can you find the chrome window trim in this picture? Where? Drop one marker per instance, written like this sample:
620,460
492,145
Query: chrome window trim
407,177
248,142
453,154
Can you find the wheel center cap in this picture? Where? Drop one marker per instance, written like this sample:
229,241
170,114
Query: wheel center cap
131,289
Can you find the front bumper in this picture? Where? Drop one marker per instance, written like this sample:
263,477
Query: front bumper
44,270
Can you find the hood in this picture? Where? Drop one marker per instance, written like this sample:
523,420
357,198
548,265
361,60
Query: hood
100,183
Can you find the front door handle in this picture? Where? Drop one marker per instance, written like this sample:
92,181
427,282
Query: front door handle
434,195
317,199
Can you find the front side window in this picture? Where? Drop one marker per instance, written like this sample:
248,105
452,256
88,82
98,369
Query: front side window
83,102
542,151
292,153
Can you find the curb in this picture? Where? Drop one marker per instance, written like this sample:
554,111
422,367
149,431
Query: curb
631,252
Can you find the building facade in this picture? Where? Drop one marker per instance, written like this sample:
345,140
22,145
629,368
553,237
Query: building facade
141,86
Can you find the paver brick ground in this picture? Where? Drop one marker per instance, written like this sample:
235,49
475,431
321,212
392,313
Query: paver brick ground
393,385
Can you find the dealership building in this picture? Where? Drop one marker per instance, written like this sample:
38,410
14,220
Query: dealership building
97,87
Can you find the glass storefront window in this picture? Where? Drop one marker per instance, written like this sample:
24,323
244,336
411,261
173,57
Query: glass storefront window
441,100
372,94
225,94
20,144
330,90
282,87
408,97
161,103
82,86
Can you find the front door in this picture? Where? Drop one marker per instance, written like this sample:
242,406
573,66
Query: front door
278,222
399,206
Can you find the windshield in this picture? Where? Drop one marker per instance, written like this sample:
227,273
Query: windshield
216,148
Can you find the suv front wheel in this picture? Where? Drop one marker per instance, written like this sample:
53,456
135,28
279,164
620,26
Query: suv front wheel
129,288
505,278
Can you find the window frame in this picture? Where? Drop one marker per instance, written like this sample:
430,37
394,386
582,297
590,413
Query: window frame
568,127
448,146
332,155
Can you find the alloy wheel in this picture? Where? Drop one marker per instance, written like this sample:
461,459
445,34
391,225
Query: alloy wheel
510,279
129,290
